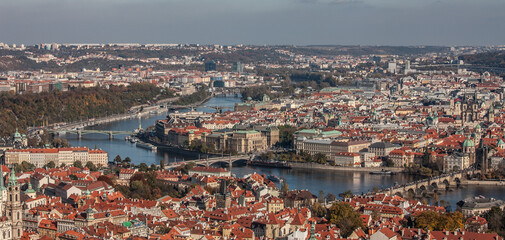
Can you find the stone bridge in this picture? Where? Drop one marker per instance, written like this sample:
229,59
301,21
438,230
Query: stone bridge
428,186
209,161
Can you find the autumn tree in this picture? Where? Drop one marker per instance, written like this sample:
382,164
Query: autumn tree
435,221
285,187
318,210
344,216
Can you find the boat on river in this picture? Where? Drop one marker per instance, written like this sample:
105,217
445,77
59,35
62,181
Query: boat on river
383,172
269,163
273,178
147,146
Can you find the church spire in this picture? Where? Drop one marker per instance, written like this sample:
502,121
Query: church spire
13,180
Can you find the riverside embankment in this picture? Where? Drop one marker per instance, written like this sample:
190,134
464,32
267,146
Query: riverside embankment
339,168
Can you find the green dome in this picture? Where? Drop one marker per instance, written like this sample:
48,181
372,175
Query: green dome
478,126
500,142
29,189
17,134
468,143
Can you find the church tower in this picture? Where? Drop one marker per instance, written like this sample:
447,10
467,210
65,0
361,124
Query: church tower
469,147
13,206
490,113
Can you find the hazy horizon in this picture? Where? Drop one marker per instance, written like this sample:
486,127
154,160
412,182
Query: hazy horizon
260,22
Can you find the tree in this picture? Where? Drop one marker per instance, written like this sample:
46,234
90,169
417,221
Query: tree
51,164
320,158
331,197
344,216
318,210
321,196
435,221
389,163
118,160
153,167
163,230
143,167
375,214
78,164
25,167
91,166
127,160
346,194
162,164
106,179
495,219
72,176
285,187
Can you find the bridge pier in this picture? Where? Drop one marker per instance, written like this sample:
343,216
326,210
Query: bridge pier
111,137
79,134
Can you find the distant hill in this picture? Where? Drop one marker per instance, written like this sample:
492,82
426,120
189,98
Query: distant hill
488,59
8,63
368,50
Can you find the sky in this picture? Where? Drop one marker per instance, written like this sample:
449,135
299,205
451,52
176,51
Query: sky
256,22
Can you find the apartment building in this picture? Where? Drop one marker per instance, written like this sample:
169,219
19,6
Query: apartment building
347,159
243,141
42,156
328,147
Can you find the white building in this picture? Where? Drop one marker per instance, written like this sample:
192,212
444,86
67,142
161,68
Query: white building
456,161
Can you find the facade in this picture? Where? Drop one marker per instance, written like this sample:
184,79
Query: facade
456,161
42,156
328,147
209,171
401,158
248,141
347,159
382,149
182,136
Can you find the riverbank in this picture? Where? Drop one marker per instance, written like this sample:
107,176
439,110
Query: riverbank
190,155
347,169
483,182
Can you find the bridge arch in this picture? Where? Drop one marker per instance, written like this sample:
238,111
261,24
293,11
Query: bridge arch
457,180
446,183
411,193
433,187
421,190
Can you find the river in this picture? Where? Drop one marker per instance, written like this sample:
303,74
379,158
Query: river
313,180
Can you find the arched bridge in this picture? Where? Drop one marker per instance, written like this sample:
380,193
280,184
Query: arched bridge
209,161
427,186
110,133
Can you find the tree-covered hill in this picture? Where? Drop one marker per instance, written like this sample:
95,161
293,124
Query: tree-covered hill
488,59
35,109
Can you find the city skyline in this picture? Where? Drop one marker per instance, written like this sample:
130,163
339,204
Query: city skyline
298,22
